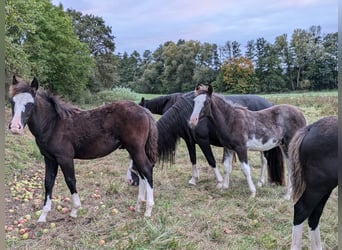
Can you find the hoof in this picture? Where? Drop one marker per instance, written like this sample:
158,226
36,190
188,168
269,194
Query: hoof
192,182
287,197
252,195
219,185
260,184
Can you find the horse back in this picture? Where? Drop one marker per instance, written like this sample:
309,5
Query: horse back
98,132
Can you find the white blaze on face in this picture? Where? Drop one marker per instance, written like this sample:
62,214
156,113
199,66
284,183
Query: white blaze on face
20,102
198,106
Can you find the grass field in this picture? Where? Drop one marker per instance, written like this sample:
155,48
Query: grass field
184,217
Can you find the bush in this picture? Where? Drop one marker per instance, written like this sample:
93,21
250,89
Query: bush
116,94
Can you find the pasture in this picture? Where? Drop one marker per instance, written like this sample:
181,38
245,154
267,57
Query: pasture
184,216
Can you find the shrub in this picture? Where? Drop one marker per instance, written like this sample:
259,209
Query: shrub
116,94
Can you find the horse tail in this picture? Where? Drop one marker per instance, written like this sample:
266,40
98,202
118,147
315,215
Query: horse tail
151,146
275,166
167,142
297,172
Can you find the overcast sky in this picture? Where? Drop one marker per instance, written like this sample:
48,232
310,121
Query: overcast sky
141,25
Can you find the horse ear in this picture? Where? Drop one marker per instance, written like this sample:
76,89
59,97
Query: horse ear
15,81
142,102
210,89
34,84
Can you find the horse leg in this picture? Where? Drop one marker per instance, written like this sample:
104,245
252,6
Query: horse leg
227,163
141,194
242,154
68,170
192,154
315,238
131,175
51,168
288,193
145,169
208,153
261,180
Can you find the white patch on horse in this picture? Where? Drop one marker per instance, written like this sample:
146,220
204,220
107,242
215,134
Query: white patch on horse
21,100
297,232
46,209
76,204
257,144
199,104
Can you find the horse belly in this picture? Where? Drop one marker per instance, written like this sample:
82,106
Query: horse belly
255,144
96,149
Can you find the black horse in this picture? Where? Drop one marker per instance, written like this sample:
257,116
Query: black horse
314,163
174,125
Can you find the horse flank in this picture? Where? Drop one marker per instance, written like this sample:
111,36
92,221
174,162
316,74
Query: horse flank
297,173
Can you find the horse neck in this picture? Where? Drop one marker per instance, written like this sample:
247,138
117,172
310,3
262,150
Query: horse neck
156,106
222,112
42,118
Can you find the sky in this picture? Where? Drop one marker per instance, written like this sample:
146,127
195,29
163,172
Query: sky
146,24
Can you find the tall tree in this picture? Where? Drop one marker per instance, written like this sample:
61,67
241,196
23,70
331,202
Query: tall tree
93,31
47,42
239,76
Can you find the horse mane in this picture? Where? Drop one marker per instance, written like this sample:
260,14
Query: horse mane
171,126
63,109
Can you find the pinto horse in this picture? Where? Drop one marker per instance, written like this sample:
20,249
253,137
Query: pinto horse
173,125
240,129
63,133
314,162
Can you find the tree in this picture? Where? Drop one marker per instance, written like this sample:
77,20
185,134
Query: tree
239,76
300,42
286,58
92,30
47,42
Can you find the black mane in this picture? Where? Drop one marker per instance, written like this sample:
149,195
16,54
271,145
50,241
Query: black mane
62,108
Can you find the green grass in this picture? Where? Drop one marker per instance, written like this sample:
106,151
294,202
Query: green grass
184,217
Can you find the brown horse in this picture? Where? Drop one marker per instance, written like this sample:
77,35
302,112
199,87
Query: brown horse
240,129
64,132
314,162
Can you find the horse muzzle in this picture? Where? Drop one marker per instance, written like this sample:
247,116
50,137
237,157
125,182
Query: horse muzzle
16,128
193,121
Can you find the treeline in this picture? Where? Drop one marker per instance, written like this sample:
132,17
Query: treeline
74,55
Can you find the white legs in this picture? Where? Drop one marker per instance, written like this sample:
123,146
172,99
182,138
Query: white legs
145,194
194,177
315,238
297,237
46,209
76,204
261,180
227,166
247,171
288,193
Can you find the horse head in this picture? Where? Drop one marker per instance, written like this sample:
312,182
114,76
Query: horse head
203,89
22,102
202,99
